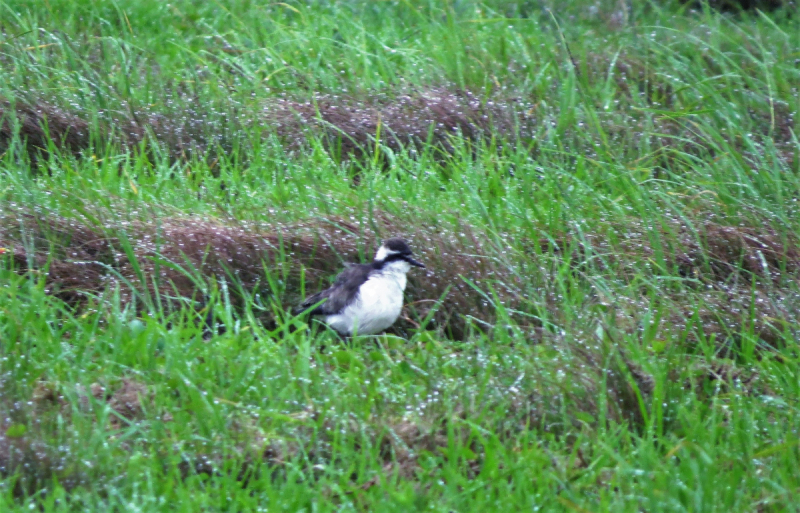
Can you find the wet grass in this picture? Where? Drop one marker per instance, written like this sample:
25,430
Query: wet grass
605,194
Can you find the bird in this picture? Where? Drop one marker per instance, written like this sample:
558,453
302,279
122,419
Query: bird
365,299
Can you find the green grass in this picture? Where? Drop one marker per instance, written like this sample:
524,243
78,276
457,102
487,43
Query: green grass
636,344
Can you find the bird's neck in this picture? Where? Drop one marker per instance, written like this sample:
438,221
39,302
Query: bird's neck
396,270
382,253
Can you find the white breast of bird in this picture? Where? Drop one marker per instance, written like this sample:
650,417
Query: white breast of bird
376,307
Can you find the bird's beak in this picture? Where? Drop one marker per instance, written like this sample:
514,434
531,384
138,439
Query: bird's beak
414,262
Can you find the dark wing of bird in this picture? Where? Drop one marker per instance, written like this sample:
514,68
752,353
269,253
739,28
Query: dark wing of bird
340,294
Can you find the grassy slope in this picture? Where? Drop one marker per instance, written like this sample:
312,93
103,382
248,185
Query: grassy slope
647,385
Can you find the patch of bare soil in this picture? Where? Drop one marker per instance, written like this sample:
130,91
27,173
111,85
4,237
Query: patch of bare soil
127,399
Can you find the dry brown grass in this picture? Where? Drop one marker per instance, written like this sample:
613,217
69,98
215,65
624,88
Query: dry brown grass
738,279
347,126
183,258
42,126
673,138
75,256
738,270
725,251
177,258
351,127
438,121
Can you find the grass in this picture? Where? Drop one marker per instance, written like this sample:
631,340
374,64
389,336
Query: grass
605,194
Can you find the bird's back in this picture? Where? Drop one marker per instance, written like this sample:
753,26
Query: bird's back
343,291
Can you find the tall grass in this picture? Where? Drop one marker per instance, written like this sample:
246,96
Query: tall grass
631,195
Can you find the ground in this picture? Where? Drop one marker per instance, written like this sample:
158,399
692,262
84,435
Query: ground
605,194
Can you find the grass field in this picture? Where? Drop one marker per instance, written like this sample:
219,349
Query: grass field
606,194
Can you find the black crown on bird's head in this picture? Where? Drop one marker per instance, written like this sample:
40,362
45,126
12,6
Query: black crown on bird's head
397,245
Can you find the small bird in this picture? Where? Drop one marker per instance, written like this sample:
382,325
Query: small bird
366,298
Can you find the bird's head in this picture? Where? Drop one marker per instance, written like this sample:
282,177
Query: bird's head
396,249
